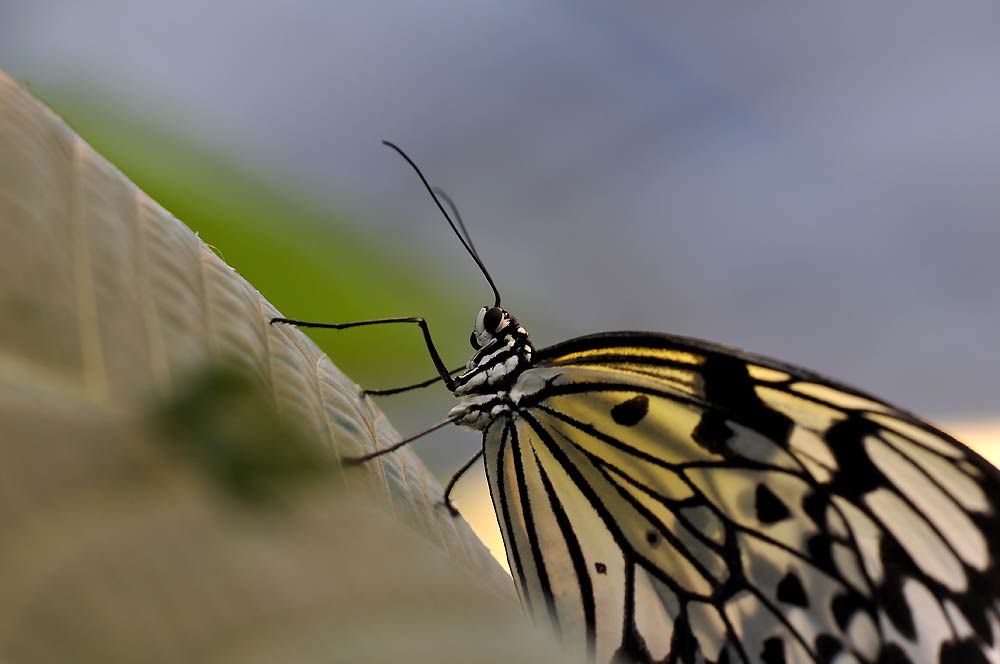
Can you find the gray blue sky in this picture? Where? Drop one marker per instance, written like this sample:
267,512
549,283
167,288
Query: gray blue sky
814,181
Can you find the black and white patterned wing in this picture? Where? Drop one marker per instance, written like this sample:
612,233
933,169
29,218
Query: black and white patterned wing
663,499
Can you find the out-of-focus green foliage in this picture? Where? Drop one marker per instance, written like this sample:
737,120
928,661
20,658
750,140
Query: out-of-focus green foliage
299,252
222,423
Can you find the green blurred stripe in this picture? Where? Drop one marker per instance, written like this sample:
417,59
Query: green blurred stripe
307,258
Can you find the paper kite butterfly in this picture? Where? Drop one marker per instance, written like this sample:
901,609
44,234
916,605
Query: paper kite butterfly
665,499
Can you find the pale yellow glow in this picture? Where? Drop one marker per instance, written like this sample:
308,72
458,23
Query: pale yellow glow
472,497
982,435
473,494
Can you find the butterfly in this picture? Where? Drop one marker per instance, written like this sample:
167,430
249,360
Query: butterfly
666,499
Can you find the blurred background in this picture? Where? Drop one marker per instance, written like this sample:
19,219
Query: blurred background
817,183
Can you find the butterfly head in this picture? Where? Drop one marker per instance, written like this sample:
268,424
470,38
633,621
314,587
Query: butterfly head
503,351
490,322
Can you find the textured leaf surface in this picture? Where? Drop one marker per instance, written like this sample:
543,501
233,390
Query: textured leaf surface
125,532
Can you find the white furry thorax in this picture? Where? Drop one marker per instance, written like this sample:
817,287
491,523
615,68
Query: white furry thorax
488,388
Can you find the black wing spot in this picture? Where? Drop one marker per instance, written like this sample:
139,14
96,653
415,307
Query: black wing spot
730,388
773,651
844,607
893,654
601,568
769,507
631,411
962,651
858,474
712,433
815,504
790,591
820,548
827,647
653,538
889,594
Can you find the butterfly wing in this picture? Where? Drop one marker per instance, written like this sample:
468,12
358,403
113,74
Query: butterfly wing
664,497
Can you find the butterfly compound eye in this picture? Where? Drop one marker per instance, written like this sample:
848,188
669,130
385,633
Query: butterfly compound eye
492,319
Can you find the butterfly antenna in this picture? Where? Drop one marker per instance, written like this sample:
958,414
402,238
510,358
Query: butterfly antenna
443,195
465,243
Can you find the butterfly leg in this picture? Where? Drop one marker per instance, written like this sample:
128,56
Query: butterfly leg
415,386
454,480
395,446
443,373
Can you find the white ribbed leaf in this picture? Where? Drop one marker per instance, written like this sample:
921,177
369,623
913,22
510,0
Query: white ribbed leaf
112,547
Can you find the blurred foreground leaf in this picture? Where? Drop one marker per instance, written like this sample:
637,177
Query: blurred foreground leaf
228,430
147,414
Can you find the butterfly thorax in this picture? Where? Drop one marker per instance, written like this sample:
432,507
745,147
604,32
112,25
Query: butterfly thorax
503,353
